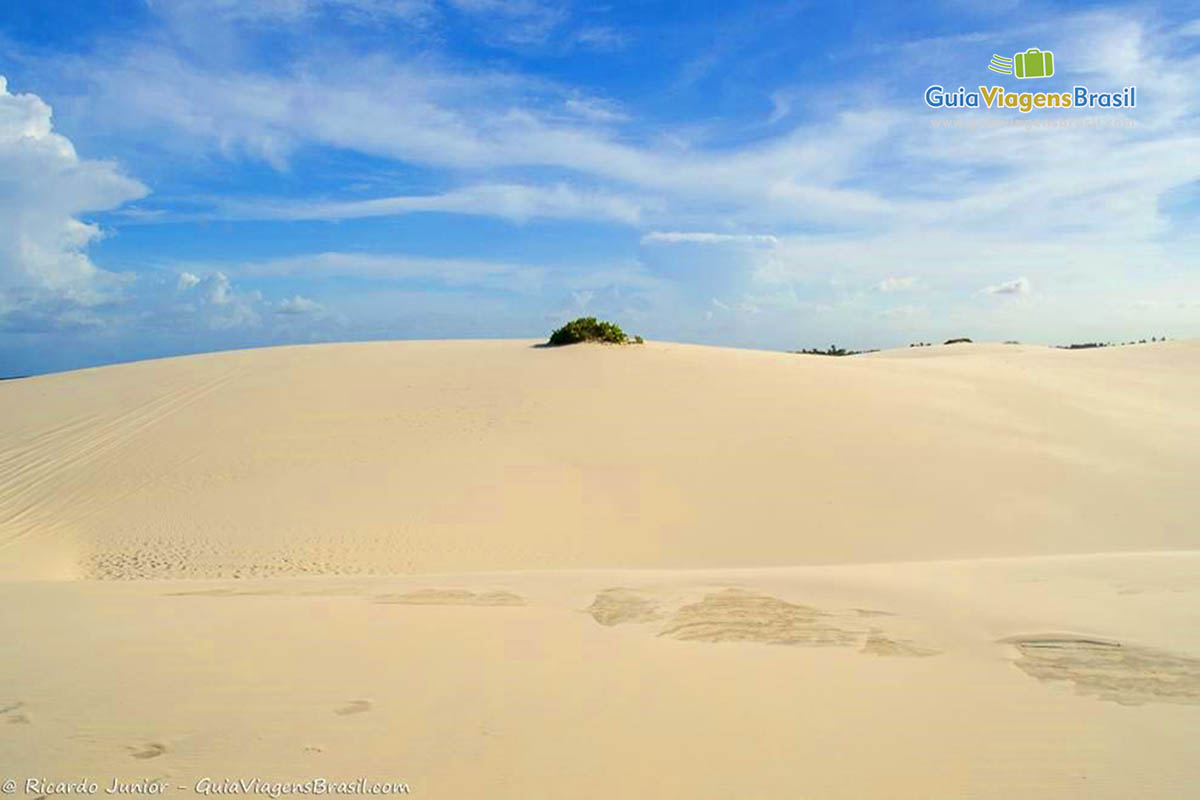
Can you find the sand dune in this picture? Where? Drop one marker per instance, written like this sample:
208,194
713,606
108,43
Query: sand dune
450,456
484,569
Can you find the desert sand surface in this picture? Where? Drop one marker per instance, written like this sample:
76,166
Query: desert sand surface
487,569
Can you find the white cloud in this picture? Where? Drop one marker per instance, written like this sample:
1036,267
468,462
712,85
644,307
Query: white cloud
902,313
782,101
424,113
895,284
212,301
1015,286
275,11
385,267
837,172
601,37
595,109
1083,211
201,302
701,237
515,23
44,188
216,288
299,305
511,201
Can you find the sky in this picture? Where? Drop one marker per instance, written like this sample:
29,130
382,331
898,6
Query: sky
181,176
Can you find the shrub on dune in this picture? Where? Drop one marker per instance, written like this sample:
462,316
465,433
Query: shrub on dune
590,329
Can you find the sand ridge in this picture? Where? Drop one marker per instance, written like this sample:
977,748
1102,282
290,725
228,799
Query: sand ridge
403,457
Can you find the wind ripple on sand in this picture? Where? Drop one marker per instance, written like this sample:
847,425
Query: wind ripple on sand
53,468
451,597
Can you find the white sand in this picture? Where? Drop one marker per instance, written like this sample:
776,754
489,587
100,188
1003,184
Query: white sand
492,570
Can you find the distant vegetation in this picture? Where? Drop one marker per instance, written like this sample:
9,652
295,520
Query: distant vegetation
590,329
833,350
1090,345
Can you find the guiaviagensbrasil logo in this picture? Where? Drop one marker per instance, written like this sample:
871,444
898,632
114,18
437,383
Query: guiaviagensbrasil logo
1031,63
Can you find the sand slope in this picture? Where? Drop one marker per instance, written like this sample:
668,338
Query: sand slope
440,456
486,570
1048,678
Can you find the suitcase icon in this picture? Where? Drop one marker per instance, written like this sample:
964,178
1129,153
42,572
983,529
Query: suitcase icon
1034,63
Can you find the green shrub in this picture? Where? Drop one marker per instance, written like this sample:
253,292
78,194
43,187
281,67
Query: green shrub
588,329
834,350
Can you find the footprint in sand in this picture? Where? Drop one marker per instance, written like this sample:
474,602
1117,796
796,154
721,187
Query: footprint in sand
1110,670
620,606
735,615
148,750
13,715
353,707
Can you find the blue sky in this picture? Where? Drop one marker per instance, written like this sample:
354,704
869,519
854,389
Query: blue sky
180,176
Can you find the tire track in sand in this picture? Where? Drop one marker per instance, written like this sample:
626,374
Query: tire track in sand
43,480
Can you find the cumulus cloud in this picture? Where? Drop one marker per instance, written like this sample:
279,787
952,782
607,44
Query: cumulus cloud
1015,286
209,301
298,305
44,189
856,196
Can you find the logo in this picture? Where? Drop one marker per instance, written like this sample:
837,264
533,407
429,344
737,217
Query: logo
1033,63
